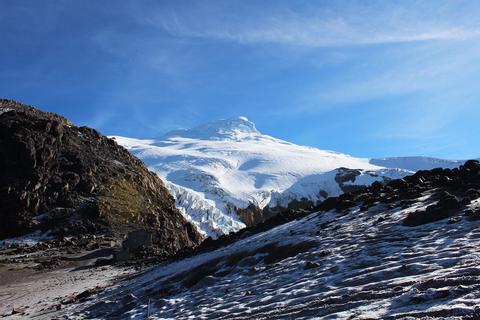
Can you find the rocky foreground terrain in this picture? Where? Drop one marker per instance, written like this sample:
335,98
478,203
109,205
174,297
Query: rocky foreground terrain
89,233
72,202
402,250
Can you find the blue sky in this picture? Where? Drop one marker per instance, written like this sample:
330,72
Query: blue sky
368,78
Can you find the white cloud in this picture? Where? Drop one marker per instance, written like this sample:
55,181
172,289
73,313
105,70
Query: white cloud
431,45
314,27
320,34
392,72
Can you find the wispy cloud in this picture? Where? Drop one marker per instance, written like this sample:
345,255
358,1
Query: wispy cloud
317,33
403,68
397,75
355,24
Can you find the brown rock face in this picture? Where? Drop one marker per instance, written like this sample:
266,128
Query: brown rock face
73,179
251,215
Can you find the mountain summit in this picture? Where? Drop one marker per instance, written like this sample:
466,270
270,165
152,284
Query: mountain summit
225,129
226,175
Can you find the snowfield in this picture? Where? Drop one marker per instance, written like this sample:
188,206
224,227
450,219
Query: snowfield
214,169
330,265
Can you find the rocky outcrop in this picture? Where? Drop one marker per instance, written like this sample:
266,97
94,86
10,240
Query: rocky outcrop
70,180
251,215
346,175
451,190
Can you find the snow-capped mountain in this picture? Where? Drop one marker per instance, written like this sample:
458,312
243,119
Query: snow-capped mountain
215,169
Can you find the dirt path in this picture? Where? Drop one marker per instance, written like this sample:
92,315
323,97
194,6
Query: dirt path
27,292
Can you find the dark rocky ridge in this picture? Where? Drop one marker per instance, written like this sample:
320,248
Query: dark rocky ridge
253,215
451,190
73,180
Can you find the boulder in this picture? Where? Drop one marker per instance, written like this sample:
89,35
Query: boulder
138,239
472,165
328,204
397,184
448,202
473,193
376,186
444,208
431,214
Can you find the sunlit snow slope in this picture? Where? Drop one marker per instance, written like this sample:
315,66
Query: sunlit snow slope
362,262
214,169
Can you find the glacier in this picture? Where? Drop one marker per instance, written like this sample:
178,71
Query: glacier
215,169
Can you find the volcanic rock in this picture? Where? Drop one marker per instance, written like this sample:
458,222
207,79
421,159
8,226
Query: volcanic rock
58,177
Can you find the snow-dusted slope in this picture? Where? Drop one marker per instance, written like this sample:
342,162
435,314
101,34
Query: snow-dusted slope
214,169
347,264
416,163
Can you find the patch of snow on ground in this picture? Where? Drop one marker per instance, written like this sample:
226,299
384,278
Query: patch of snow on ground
4,109
26,240
326,265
